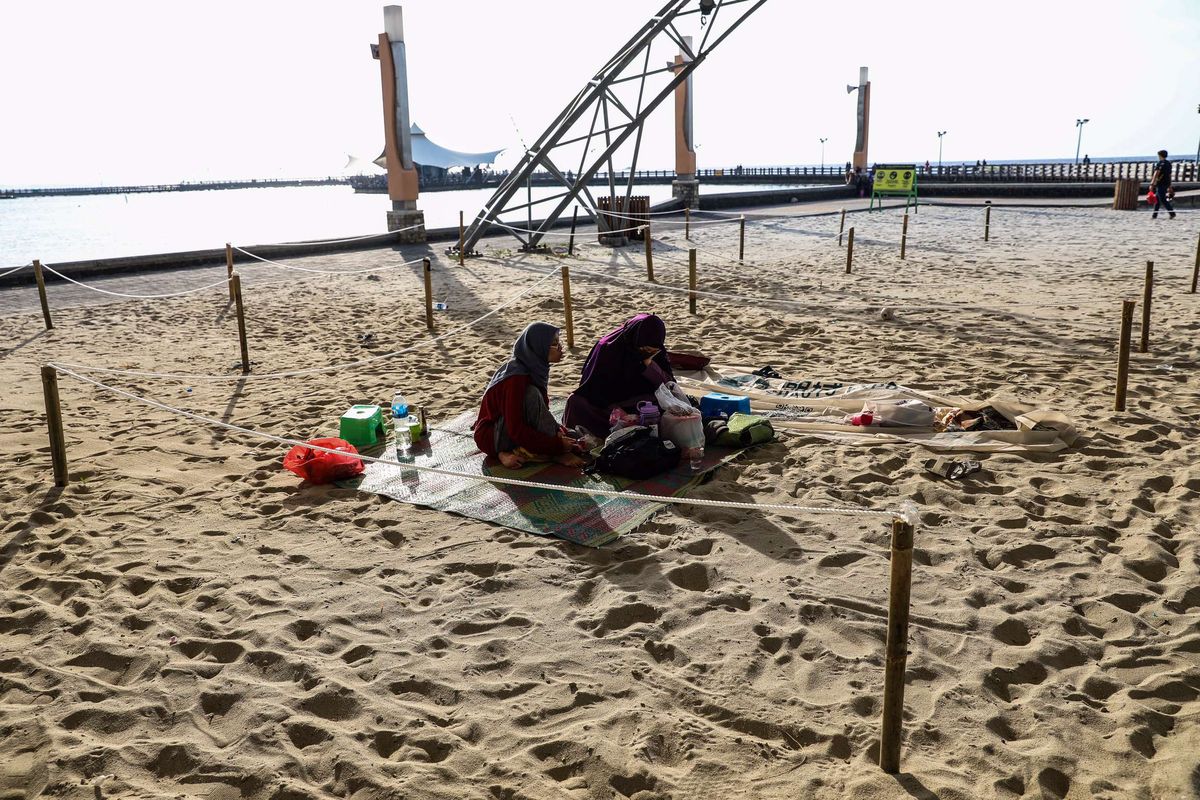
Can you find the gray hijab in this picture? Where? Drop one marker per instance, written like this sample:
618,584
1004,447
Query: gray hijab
531,356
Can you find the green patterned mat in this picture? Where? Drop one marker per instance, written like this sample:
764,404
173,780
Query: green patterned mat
591,521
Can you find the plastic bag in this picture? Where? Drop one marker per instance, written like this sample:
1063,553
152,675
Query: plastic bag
672,400
685,431
680,421
618,419
906,413
1151,197
318,466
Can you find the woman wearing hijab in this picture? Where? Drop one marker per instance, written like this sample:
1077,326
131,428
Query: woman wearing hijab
515,423
624,367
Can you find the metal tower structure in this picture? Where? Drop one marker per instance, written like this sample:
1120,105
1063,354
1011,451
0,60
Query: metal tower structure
606,114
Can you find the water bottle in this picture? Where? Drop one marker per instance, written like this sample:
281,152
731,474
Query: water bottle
695,457
400,424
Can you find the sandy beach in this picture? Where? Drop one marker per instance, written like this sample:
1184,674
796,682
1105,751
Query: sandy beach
186,619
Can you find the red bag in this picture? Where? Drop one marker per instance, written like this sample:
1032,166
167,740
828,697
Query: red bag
1151,197
317,466
687,361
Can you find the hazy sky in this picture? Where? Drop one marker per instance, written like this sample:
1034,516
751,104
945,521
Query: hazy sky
130,91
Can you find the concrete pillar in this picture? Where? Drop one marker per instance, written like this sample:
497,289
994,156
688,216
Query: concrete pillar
685,187
402,173
864,119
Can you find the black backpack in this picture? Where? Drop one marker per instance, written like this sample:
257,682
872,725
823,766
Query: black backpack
636,455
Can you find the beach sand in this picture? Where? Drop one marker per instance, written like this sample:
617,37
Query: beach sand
186,619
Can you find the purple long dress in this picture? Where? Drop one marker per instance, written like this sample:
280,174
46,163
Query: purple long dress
616,375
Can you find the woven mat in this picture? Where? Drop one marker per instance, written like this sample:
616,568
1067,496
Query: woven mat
591,521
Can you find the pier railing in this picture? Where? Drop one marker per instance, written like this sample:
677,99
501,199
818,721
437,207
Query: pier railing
1002,172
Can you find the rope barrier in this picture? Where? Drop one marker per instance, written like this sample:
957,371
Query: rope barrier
312,370
1062,212
500,224
696,223
14,269
221,282
358,238
906,512
293,267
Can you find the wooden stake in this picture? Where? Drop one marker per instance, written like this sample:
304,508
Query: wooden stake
649,253
897,646
987,223
58,442
236,283
841,227
41,282
229,267
742,239
1196,269
850,250
571,241
461,254
1123,352
566,278
692,281
687,223
1147,294
904,237
428,270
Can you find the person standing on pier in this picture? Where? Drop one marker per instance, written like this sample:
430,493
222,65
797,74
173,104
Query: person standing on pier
1160,182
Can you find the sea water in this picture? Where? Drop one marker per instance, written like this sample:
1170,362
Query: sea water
75,228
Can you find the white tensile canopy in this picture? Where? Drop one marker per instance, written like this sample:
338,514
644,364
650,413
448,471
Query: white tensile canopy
430,154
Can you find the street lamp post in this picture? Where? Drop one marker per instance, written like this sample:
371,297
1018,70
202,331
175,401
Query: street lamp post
940,135
1198,146
823,141
1079,123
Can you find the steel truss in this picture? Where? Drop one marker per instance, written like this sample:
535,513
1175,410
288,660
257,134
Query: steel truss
616,113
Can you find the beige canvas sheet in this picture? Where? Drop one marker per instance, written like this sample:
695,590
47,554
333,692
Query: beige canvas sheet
818,408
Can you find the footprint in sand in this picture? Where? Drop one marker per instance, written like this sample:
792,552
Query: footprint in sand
622,617
693,577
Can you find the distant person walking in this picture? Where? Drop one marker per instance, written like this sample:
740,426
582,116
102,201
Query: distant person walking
1160,182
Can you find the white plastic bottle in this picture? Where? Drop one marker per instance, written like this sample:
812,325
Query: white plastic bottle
400,424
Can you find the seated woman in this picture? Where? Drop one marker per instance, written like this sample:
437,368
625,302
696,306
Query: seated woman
515,423
624,367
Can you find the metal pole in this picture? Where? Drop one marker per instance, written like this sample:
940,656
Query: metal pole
566,279
428,271
571,241
841,227
849,250
692,281
1147,293
742,239
1123,352
58,446
904,237
897,646
461,254
236,282
987,223
687,223
41,284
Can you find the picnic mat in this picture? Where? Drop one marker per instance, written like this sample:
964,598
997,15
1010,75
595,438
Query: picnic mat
583,519
819,407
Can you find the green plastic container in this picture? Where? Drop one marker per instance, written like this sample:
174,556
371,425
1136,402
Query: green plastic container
362,426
